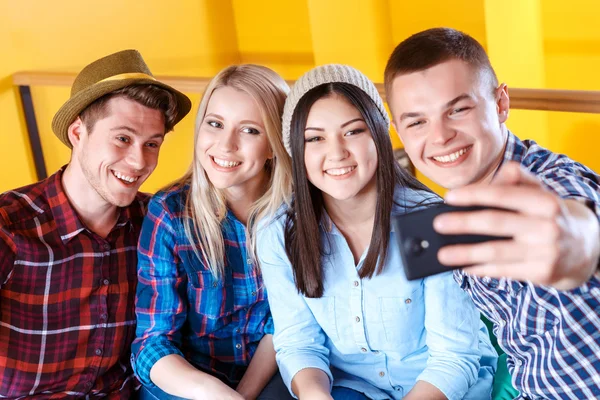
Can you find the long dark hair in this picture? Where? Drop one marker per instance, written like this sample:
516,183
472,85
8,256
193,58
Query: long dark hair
302,235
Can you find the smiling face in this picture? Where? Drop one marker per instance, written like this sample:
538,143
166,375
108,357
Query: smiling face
339,154
232,143
120,152
450,120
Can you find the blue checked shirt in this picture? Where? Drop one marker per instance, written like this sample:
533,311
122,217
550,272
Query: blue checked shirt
551,337
216,324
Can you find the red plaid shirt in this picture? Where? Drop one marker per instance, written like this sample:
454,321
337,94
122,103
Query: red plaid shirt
67,316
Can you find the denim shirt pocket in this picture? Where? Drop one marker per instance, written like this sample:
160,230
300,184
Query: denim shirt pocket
403,320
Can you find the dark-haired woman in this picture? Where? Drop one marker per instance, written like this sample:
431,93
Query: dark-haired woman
345,315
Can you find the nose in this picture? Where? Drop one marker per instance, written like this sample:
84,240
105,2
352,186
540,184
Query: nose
337,149
442,133
136,158
228,141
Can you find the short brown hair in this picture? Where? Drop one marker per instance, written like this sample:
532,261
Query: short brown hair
150,96
434,46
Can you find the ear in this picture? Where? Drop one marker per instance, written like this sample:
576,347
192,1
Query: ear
502,102
75,130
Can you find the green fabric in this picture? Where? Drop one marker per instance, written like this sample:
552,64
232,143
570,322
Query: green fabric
503,388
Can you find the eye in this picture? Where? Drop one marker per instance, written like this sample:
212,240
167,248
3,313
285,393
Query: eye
416,123
214,124
153,145
459,110
313,139
251,131
123,139
354,132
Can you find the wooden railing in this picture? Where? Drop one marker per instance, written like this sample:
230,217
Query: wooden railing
523,99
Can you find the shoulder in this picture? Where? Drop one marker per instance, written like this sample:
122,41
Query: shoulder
539,160
171,200
271,230
23,203
408,199
552,168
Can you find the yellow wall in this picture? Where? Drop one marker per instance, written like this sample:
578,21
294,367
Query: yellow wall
175,38
199,37
572,50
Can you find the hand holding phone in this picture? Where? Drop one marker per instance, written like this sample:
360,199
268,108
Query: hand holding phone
419,242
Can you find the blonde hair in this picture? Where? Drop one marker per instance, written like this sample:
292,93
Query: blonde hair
205,206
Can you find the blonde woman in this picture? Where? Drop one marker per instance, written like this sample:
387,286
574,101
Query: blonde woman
204,327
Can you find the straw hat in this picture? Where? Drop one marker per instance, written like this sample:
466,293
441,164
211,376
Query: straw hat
104,76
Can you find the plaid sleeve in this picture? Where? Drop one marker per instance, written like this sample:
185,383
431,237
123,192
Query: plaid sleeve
574,182
161,306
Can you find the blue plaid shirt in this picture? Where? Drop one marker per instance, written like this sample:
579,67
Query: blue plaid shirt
551,337
215,324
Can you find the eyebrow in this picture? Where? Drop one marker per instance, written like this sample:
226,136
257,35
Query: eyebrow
217,116
246,121
134,132
345,124
447,105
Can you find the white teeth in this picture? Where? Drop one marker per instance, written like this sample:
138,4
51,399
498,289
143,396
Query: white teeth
225,163
125,178
451,157
340,171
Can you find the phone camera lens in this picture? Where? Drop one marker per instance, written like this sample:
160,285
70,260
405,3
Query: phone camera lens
415,246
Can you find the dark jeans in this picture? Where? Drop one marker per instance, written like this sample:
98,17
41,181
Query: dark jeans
275,390
342,393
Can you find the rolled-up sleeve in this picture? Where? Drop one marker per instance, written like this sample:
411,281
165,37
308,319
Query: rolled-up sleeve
161,306
299,340
452,324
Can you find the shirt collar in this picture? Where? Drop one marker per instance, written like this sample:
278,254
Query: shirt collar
68,223
514,150
64,215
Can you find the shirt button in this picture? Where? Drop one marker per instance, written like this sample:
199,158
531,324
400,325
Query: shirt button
408,301
519,362
106,282
357,319
238,346
106,246
238,330
249,261
363,350
88,385
253,293
215,284
98,352
103,317
382,374
356,283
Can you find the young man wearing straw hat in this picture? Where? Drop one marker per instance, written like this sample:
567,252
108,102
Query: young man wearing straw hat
68,243
541,289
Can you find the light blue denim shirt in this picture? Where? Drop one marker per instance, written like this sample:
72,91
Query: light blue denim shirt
378,336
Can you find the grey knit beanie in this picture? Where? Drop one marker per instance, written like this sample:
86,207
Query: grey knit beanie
321,75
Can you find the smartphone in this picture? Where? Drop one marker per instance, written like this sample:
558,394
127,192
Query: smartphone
419,242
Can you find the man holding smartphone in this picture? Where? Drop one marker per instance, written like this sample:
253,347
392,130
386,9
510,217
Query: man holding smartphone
541,289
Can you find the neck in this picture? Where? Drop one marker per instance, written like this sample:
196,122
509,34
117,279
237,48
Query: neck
487,178
357,211
241,199
97,214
